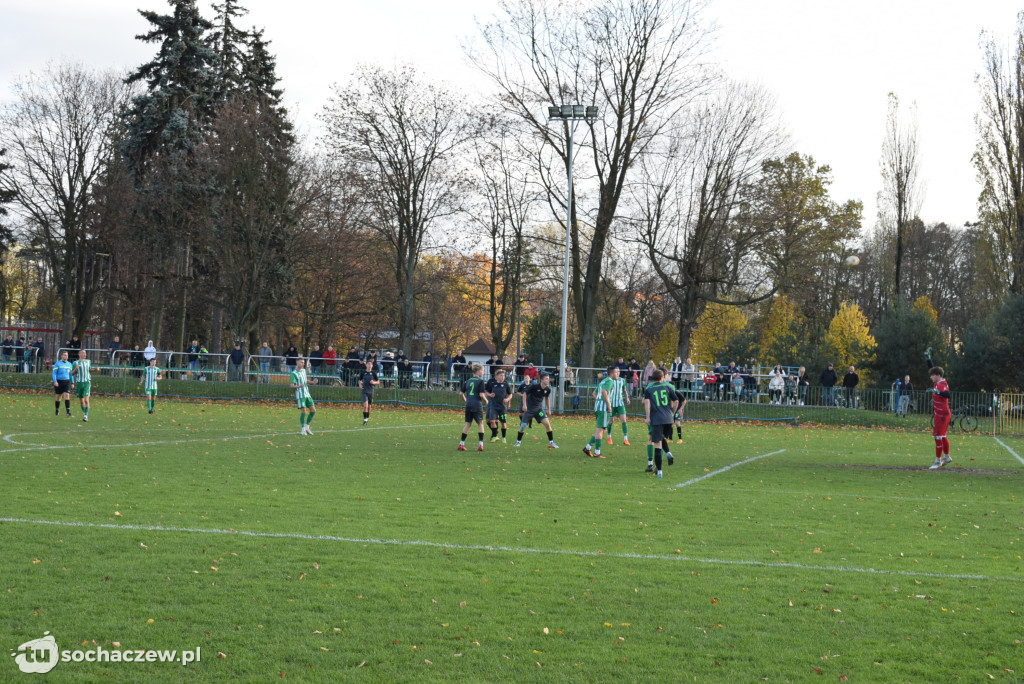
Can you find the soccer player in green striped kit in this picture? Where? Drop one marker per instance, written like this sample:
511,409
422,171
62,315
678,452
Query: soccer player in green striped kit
300,383
81,381
602,412
150,377
619,399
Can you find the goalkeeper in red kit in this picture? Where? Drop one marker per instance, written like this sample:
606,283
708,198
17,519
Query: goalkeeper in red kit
940,402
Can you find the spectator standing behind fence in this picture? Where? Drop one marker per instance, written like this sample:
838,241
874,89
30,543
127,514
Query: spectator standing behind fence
316,360
236,358
266,357
135,360
290,355
850,382
149,353
802,383
829,378
74,343
645,378
7,349
330,361
905,389
40,354
192,356
18,352
689,373
676,372
113,358
633,376
519,369
459,367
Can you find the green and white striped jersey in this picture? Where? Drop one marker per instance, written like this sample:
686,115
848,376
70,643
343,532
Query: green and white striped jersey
81,371
606,384
150,375
301,382
617,393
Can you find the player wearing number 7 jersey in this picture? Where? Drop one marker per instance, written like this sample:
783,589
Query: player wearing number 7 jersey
940,404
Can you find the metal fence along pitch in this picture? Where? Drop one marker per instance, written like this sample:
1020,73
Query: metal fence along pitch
215,379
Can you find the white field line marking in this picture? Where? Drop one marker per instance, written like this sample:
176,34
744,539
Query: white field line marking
40,447
821,495
510,549
728,467
1005,446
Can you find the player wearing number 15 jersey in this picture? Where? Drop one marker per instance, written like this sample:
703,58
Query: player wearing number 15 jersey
659,409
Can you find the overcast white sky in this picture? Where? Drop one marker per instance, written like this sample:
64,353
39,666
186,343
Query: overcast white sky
830,64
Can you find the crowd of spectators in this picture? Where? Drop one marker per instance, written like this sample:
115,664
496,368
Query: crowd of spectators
717,382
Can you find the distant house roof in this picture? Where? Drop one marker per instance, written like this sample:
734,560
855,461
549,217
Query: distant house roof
481,346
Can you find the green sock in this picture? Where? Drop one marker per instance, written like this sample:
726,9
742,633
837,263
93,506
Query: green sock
302,420
609,429
625,430
85,410
309,417
590,443
650,453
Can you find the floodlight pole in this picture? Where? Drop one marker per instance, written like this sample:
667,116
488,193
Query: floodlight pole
571,115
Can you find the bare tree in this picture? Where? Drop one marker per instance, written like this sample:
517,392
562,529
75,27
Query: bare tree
900,198
58,130
639,61
400,134
337,268
999,155
505,199
688,207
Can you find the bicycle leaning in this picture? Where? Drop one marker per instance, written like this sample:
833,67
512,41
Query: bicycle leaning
965,417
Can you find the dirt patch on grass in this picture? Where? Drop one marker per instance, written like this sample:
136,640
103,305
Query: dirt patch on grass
946,469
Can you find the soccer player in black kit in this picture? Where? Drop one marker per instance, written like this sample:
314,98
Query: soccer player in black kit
474,394
537,396
499,392
367,381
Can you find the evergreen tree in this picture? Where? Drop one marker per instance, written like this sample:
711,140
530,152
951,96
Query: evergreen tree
903,335
542,337
230,44
181,88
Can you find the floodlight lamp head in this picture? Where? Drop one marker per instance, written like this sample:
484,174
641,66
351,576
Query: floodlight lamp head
592,112
554,113
566,111
578,111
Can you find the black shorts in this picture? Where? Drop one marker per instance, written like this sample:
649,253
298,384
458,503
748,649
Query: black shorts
537,415
62,387
368,396
660,432
496,412
474,415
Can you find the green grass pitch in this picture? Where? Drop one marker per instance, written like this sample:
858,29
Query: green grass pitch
383,554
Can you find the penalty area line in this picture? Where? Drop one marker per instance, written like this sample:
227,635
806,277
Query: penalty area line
1007,447
728,467
510,549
